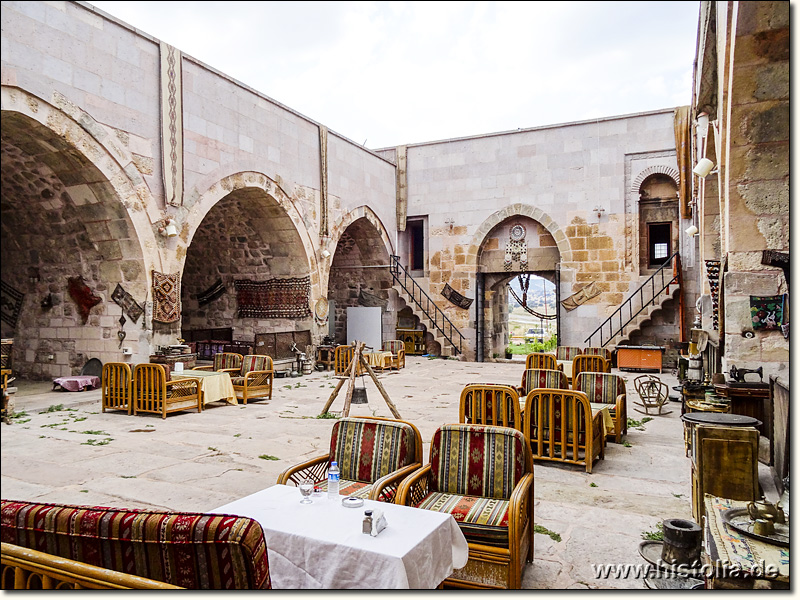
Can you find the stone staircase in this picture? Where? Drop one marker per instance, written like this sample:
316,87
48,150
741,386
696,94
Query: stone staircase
447,348
645,316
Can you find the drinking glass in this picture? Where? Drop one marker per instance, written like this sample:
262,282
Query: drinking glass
306,487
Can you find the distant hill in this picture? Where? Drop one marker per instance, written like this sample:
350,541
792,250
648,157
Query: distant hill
541,295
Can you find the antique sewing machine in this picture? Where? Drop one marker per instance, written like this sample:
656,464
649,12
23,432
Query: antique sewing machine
738,375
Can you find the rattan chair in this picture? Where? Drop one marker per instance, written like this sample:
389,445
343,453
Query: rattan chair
541,360
117,385
482,475
606,388
542,378
342,357
398,350
490,404
604,352
374,455
153,393
255,378
589,362
560,426
653,394
228,362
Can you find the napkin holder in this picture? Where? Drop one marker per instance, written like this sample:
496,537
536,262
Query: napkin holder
378,522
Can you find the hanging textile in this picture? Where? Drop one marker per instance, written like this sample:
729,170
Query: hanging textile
10,304
712,272
581,296
767,311
127,303
516,248
83,296
166,297
274,298
455,297
211,294
683,150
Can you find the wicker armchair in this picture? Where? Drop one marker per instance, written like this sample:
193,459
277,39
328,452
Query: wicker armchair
491,500
541,360
567,353
255,378
607,388
490,404
560,426
386,451
604,352
398,350
229,362
542,378
342,357
117,385
589,362
153,393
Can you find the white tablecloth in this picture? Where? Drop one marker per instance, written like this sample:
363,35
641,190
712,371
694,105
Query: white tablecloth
216,385
320,545
566,366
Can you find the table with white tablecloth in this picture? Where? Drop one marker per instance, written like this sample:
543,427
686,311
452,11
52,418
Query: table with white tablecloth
381,360
215,385
321,546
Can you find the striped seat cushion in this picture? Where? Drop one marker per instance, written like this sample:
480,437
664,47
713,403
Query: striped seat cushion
393,346
368,449
226,360
481,520
567,352
477,460
600,387
543,378
190,550
255,362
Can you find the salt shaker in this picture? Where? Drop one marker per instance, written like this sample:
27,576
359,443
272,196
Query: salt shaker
366,525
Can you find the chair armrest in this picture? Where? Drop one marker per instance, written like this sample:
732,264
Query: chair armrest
204,368
388,485
314,468
185,384
520,503
414,487
258,377
232,371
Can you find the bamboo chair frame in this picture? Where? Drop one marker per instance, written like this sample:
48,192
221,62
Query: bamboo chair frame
653,393
398,359
26,569
541,360
507,563
604,352
117,386
152,393
490,404
382,488
589,362
256,384
620,408
575,421
232,370
342,357
563,383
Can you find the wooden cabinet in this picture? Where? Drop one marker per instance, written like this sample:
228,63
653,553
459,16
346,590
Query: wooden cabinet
413,340
724,464
640,357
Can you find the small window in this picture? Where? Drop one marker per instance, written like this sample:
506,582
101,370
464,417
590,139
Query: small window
416,237
660,243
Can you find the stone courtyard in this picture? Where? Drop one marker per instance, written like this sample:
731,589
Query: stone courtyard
62,448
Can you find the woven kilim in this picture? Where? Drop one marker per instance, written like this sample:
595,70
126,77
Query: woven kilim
166,297
455,297
10,304
190,550
211,294
127,303
274,298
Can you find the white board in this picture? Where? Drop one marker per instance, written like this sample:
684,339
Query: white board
364,325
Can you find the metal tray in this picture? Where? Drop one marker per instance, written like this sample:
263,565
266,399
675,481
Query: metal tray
739,519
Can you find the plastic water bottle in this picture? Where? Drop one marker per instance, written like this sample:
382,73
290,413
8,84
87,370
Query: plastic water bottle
333,481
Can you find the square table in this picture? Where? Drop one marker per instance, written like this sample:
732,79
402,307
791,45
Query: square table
77,383
320,545
215,385
381,360
608,422
566,366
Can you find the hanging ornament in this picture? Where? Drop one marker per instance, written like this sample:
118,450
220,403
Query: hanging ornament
516,248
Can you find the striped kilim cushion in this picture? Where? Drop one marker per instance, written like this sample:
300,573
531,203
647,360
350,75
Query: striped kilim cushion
604,352
477,460
600,387
393,346
567,352
481,520
368,449
190,550
255,362
227,360
544,378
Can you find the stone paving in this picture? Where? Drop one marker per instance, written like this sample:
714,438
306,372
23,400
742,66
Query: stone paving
62,448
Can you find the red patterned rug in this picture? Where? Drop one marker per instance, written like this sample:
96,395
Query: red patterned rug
166,297
274,298
83,296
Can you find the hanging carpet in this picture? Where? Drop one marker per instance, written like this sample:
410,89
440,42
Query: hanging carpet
211,294
767,311
585,294
166,297
83,296
10,304
127,303
455,297
274,298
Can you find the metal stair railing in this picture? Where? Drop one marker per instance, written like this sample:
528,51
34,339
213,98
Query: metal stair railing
646,294
426,305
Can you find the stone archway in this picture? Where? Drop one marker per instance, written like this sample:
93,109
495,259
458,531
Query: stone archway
359,273
72,208
245,227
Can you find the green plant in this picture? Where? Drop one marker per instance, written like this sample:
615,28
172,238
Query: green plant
593,484
52,408
543,530
93,442
95,432
656,535
213,449
268,457
627,444
327,415
128,476
634,424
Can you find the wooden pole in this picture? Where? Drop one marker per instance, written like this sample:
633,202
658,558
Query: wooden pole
378,384
353,368
333,395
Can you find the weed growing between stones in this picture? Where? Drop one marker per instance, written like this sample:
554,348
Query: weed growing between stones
656,535
545,531
268,457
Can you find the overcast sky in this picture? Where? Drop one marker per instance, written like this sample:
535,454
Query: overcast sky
390,73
